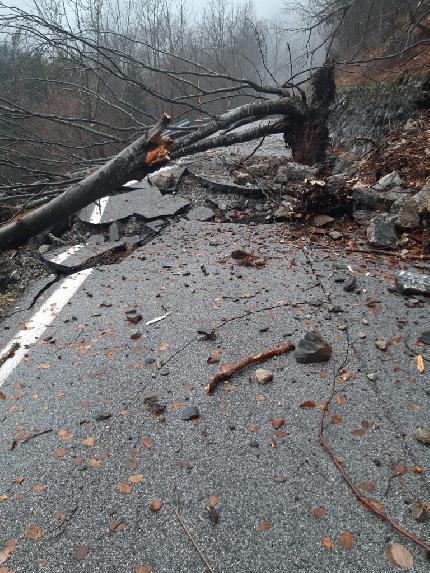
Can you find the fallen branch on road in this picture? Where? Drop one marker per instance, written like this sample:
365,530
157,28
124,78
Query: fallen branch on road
228,370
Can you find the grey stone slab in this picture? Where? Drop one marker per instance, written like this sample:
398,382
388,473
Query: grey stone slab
200,214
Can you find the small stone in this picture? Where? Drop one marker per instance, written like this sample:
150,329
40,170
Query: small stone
393,179
134,317
207,332
114,232
264,328
335,235
351,284
342,327
372,376
322,220
200,214
103,416
263,375
381,232
190,413
312,348
135,334
336,309
365,321
425,337
422,434
409,282
381,344
361,334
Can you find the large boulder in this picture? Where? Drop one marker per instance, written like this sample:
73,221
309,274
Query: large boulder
405,213
422,200
381,232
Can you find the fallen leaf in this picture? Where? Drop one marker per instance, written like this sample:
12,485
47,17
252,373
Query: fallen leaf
400,556
19,479
34,532
81,552
336,419
213,500
307,404
135,478
115,526
358,432
64,435
318,512
346,540
278,423
325,542
38,488
94,463
9,547
58,516
416,470
263,526
59,452
143,569
340,400
45,365
366,486
155,505
163,346
420,364
88,441
146,443
124,487
3,498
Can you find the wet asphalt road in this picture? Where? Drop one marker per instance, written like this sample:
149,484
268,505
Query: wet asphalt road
82,457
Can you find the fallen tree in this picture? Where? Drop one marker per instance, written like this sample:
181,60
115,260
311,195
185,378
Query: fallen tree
151,150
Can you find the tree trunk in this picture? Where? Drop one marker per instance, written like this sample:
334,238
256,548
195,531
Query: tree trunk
309,139
137,156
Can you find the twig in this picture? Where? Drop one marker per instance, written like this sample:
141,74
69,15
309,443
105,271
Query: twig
252,359
370,504
191,538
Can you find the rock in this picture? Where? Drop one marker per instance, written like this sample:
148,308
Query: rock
406,214
312,348
114,232
135,335
200,214
6,269
295,172
335,235
207,332
133,317
343,162
409,282
372,376
190,413
263,375
44,249
381,232
422,434
390,180
101,416
351,284
370,199
425,337
322,220
381,344
422,199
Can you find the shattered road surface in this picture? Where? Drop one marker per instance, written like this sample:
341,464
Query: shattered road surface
115,459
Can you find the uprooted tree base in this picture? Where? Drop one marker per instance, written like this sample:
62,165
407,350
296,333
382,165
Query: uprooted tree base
303,125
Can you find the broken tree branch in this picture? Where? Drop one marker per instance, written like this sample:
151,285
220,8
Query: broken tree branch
229,370
140,156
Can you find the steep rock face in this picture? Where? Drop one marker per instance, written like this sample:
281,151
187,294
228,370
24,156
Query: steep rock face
371,110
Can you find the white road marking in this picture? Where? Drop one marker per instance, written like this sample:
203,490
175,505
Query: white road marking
50,309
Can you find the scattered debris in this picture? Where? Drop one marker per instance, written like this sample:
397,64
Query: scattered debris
190,413
200,214
399,556
312,348
350,284
154,320
10,353
420,511
381,233
133,316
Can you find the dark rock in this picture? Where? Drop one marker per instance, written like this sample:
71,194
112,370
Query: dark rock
312,348
422,199
135,334
390,180
409,282
351,284
368,199
103,416
381,233
133,317
425,337
207,332
190,413
200,214
345,163
322,220
406,214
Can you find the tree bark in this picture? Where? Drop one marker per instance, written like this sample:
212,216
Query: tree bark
309,139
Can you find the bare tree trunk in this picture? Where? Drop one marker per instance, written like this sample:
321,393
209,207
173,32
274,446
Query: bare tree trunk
308,139
99,184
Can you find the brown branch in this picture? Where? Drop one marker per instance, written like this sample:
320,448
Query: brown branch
368,503
228,371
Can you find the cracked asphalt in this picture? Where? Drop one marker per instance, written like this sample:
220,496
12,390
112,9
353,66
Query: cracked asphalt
75,424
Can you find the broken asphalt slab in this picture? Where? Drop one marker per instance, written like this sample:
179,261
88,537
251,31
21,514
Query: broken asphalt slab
145,201
73,483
